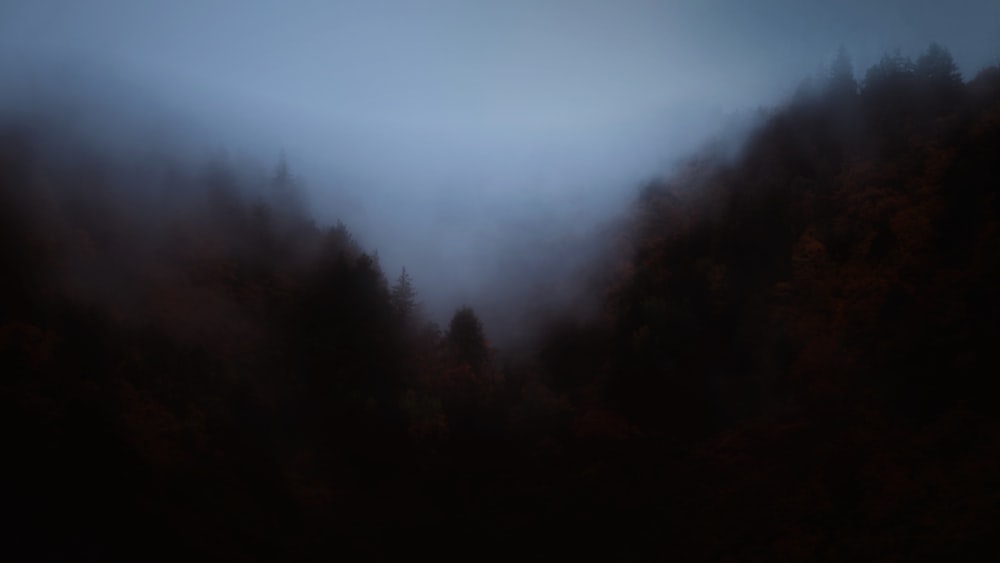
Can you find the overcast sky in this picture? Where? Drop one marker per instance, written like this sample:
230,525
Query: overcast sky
517,64
409,118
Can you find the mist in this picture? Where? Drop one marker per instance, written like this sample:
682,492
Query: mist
486,147
585,279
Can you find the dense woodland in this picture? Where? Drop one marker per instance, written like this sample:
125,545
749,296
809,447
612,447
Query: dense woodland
795,358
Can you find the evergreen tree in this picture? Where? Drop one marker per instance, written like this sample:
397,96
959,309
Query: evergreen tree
887,95
841,79
403,297
466,335
937,66
938,79
893,73
285,188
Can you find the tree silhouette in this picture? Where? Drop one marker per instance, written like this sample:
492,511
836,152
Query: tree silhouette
285,188
466,335
841,79
892,73
887,96
403,298
938,78
937,65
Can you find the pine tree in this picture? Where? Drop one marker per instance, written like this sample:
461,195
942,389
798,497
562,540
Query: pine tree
403,297
841,82
937,66
466,335
285,188
939,81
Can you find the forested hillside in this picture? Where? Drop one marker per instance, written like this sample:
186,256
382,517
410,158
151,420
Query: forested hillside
793,358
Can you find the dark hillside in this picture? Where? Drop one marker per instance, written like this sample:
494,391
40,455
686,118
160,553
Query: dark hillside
794,359
811,327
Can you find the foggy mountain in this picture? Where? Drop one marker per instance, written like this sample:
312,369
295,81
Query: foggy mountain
441,129
695,281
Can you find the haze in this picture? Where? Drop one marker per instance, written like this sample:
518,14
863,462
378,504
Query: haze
460,138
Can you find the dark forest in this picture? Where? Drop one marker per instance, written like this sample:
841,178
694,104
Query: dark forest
793,357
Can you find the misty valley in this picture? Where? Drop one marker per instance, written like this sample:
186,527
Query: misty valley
782,351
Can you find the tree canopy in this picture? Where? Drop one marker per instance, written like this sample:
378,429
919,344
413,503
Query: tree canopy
466,335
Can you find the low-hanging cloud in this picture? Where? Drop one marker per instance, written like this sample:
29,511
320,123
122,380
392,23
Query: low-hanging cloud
471,142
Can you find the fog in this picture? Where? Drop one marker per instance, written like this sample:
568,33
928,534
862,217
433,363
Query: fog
482,145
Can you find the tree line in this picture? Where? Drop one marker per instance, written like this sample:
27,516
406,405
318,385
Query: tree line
793,357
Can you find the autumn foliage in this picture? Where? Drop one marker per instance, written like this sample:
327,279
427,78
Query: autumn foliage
793,360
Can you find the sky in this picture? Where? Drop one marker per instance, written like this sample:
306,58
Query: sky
453,134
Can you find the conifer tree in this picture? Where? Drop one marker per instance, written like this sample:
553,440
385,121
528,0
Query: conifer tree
403,297
466,335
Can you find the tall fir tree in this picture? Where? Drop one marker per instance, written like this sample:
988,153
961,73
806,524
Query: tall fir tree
403,297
